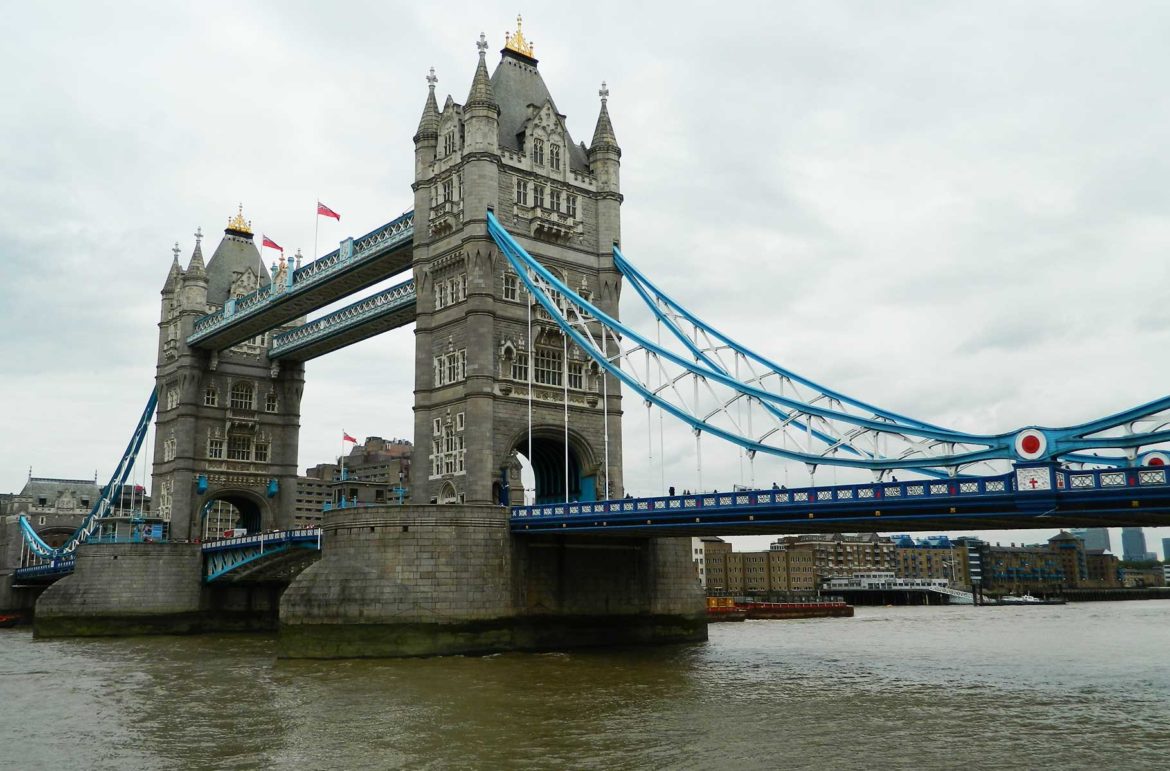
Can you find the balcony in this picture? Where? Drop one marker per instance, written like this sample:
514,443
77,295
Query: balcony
445,216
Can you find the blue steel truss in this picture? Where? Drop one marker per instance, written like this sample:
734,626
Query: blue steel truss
353,252
224,557
719,387
361,312
105,502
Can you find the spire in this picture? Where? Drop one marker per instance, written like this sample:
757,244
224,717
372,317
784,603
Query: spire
481,85
197,268
603,136
514,41
175,271
428,124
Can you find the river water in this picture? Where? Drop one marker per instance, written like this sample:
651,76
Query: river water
1069,687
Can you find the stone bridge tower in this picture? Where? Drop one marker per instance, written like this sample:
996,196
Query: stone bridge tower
479,375
228,421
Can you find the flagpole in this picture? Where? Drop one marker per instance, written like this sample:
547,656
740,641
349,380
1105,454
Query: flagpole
316,227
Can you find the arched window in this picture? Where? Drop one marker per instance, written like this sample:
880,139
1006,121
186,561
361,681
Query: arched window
538,152
554,157
243,397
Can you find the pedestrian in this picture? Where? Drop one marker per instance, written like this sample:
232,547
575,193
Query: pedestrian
672,491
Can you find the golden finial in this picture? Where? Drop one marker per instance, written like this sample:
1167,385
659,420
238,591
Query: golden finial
516,42
238,223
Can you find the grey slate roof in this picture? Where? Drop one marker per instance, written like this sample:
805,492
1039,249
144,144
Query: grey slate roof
516,84
42,487
235,254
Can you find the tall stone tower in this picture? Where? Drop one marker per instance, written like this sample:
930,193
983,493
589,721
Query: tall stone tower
485,388
228,421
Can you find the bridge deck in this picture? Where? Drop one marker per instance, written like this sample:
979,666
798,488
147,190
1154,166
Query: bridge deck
1105,498
358,264
373,315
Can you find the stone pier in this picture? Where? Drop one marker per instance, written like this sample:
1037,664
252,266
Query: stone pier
423,580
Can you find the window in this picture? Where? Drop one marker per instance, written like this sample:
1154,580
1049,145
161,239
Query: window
521,192
554,200
449,142
242,397
511,287
459,185
215,449
548,367
554,156
577,375
538,152
211,397
520,368
448,448
459,421
239,448
450,367
172,398
261,455
270,403
448,190
450,290
538,196
170,447
572,204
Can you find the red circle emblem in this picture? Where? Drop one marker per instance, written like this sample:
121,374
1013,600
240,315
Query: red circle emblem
1030,444
1156,461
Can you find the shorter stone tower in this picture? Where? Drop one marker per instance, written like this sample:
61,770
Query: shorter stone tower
228,421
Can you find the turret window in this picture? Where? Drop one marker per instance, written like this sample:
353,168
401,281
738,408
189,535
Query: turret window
243,397
538,152
270,403
172,398
554,200
571,202
521,192
449,142
554,157
538,196
450,368
261,452
448,190
211,397
511,287
215,449
450,291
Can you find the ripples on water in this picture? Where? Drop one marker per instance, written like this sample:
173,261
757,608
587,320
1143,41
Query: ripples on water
1075,686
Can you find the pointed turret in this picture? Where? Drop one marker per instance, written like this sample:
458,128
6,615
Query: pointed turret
174,274
428,124
481,94
196,267
603,137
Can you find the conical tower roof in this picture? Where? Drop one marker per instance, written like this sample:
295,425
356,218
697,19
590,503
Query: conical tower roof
236,254
428,124
481,94
603,136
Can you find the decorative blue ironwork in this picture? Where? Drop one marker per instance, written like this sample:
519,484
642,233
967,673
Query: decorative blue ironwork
395,298
800,420
105,502
51,570
353,252
221,558
1081,492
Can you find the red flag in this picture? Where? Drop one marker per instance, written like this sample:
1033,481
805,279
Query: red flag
347,438
324,210
271,244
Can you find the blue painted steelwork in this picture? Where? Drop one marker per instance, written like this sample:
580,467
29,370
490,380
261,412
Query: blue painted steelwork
47,571
824,415
1091,493
395,234
361,312
105,502
221,558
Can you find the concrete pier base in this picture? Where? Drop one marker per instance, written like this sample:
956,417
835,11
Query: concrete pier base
431,580
125,589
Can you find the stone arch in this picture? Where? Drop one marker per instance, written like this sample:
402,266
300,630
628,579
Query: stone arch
585,476
448,494
251,511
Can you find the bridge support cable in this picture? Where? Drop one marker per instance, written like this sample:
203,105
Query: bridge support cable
837,430
105,502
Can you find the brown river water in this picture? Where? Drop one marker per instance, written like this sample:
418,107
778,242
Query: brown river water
1060,687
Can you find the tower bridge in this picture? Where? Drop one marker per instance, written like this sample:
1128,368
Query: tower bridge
514,249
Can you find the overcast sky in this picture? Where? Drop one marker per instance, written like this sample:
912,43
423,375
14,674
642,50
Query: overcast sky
956,211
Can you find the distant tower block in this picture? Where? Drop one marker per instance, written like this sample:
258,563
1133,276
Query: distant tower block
478,369
228,421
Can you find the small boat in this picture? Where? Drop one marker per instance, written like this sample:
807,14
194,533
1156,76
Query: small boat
1027,599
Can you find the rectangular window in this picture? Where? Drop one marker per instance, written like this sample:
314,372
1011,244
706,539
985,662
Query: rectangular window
520,368
270,402
577,375
450,367
239,448
511,287
448,190
261,452
521,192
242,396
172,398
538,196
210,397
554,200
215,449
572,204
459,421
548,367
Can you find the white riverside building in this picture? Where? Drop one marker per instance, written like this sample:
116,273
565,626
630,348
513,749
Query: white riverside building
886,581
